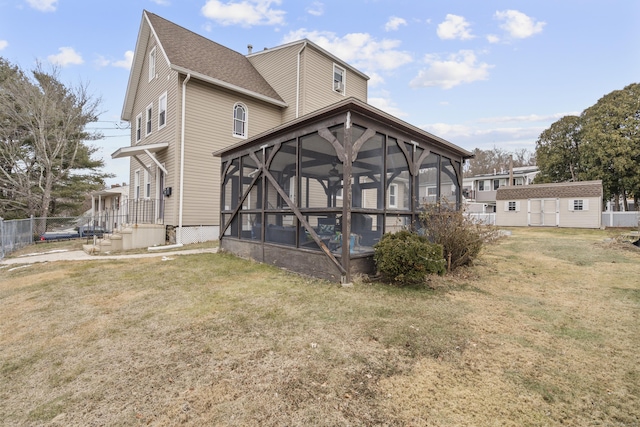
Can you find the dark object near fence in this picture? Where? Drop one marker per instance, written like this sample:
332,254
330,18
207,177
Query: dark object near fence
83,231
636,243
58,235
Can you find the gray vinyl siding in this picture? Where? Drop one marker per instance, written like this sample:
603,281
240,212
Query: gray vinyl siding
209,127
280,68
506,218
589,218
318,90
149,92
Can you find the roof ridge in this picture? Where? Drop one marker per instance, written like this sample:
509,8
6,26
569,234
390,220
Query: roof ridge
192,32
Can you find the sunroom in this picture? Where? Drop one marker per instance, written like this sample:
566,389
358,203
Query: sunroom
315,195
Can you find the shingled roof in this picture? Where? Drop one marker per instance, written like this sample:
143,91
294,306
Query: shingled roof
198,54
190,53
548,191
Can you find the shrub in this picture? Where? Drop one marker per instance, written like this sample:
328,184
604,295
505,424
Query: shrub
405,258
461,237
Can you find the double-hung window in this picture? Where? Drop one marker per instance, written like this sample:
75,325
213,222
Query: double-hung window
147,184
393,196
240,121
136,185
162,110
149,116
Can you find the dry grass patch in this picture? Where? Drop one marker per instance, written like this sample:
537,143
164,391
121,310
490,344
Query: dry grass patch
543,331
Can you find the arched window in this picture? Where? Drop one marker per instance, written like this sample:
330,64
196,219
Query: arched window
240,120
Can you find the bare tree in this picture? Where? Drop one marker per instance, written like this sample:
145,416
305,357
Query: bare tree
43,137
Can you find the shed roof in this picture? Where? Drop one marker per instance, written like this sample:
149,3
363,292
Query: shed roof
557,190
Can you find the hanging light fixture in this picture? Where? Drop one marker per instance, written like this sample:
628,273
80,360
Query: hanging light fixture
334,174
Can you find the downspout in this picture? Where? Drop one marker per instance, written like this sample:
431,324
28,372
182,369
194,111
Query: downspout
298,81
180,204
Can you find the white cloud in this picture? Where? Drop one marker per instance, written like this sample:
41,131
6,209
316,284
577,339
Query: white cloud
44,5
531,118
361,50
471,136
101,62
492,38
122,63
3,44
388,106
457,69
518,25
394,23
316,9
375,79
246,13
507,132
447,131
67,56
454,27
161,2
126,62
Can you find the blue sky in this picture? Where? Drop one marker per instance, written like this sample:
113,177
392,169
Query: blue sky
480,74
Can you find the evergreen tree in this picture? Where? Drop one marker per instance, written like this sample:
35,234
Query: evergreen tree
46,166
558,151
611,142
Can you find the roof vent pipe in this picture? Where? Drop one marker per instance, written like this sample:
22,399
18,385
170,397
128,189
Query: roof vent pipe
250,48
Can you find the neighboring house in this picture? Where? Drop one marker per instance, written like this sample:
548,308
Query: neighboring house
480,191
108,207
188,97
566,204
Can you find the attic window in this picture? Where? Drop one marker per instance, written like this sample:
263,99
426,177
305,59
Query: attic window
138,127
338,79
152,64
162,110
149,116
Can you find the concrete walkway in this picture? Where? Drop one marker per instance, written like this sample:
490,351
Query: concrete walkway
64,255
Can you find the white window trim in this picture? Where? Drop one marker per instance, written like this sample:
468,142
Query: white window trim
572,205
152,64
343,89
136,184
147,183
163,96
508,202
139,127
395,196
246,121
148,123
340,191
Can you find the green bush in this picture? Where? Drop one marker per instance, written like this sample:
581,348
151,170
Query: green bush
405,258
460,236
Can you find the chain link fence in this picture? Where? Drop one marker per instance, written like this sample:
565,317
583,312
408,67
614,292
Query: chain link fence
15,234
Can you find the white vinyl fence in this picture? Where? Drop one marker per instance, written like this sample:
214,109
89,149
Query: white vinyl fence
620,219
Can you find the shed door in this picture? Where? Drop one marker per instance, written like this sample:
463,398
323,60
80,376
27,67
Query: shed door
544,212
